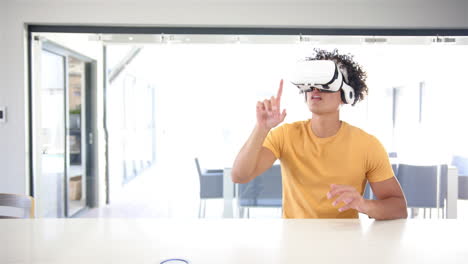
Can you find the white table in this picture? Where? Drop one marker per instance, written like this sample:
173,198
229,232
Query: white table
219,241
452,193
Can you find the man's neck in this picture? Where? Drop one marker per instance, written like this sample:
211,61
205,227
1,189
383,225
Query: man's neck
325,125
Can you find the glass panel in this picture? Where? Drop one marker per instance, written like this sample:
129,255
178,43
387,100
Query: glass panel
76,136
51,138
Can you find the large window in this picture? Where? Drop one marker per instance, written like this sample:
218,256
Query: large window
173,98
206,95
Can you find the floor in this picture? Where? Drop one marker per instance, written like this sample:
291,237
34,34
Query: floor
151,194
158,193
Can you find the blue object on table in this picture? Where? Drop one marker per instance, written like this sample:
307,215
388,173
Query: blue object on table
175,261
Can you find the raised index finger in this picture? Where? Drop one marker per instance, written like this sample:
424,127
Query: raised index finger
280,92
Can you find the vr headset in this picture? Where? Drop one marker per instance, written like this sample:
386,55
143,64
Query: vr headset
323,75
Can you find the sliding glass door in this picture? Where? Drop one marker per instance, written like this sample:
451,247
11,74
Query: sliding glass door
60,132
50,137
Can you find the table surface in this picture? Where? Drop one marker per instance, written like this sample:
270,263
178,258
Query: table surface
245,241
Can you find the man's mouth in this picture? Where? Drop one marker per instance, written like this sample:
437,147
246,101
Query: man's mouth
316,97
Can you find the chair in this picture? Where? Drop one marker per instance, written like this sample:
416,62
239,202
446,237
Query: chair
266,190
420,186
211,186
462,166
18,201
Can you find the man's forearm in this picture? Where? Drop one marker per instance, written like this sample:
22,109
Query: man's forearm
386,209
245,163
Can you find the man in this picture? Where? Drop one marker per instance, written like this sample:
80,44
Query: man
325,162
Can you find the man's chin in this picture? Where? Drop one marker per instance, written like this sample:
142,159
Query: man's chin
320,111
317,110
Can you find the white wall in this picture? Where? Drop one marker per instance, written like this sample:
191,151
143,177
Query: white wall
299,13
3,99
13,156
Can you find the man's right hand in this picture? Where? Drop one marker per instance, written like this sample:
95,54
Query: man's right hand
254,159
269,114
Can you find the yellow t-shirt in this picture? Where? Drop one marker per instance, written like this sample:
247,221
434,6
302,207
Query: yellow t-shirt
309,165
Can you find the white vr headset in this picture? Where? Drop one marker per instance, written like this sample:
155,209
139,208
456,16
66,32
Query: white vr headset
323,75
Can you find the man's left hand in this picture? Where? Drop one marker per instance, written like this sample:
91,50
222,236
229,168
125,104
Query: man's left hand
349,196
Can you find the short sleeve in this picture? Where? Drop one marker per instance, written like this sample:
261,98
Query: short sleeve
274,141
378,163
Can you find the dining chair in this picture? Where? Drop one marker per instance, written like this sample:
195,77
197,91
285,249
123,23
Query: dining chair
266,190
211,186
424,186
18,201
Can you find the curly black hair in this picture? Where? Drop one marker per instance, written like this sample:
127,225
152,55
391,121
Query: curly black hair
356,75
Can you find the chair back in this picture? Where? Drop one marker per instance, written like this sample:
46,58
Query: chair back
266,190
211,183
18,201
197,164
419,184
